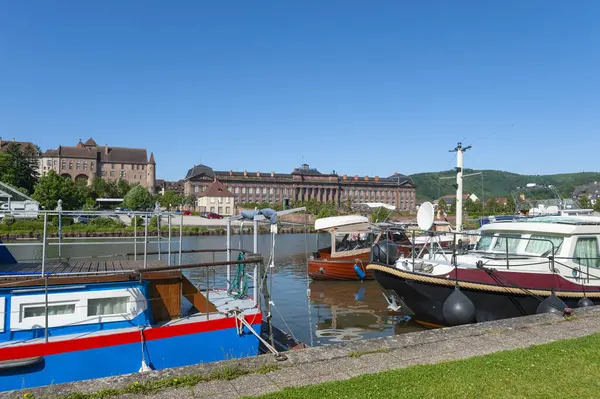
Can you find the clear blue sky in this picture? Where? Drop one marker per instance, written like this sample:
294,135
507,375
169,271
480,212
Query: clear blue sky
362,87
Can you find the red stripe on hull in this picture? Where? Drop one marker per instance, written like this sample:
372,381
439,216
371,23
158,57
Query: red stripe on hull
20,351
529,280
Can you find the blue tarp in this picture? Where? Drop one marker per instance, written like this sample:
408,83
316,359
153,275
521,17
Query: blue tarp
5,255
267,213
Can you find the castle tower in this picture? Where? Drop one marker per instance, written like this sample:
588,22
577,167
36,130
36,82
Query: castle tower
151,174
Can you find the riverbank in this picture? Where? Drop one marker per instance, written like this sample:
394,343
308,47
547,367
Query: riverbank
129,232
331,364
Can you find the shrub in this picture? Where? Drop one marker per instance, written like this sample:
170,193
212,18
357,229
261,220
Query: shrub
66,221
8,220
108,223
137,221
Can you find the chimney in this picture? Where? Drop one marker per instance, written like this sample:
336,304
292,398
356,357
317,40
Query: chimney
355,177
106,149
376,178
366,178
395,173
257,174
345,177
230,172
272,174
245,173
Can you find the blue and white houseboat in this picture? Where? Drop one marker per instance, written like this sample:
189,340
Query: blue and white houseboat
64,320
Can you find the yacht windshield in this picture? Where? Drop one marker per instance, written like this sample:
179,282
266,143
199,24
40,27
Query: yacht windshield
353,241
507,242
542,244
484,242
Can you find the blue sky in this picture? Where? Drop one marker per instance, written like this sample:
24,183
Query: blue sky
360,87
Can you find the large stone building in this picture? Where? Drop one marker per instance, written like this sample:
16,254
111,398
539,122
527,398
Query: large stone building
304,184
25,146
88,160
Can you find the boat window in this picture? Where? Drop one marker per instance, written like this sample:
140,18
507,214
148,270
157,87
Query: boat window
586,252
536,246
53,310
107,306
507,239
484,242
353,241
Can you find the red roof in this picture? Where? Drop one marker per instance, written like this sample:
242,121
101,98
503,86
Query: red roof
216,189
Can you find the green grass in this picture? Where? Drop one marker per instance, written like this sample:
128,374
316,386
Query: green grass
150,387
563,369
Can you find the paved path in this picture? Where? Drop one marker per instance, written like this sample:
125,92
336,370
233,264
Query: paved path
317,365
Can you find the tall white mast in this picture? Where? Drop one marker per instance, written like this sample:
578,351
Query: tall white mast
459,184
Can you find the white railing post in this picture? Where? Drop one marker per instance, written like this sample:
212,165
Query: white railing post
44,243
255,274
169,216
146,242
180,237
228,251
134,237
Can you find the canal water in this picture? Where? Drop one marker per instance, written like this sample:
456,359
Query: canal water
315,312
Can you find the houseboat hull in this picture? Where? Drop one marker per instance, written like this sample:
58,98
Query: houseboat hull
120,352
423,296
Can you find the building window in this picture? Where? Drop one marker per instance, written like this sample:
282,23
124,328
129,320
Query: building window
143,167
212,208
250,190
107,306
122,174
53,310
243,190
112,172
264,190
49,162
227,210
84,165
122,166
196,188
63,164
112,165
103,173
54,162
227,200
78,165
237,190
70,164
271,190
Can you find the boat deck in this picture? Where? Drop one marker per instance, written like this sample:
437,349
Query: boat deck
75,268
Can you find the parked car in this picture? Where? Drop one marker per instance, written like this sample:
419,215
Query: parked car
204,214
212,215
84,219
122,210
187,213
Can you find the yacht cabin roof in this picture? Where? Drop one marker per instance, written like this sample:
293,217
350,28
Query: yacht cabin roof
562,225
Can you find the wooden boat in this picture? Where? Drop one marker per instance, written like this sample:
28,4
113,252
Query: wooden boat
350,247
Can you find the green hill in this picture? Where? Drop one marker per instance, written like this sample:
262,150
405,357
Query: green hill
496,183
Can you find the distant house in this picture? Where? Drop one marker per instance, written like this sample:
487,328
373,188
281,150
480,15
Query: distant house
502,201
592,190
449,199
216,198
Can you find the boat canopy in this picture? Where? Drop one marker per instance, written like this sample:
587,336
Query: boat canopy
351,224
379,205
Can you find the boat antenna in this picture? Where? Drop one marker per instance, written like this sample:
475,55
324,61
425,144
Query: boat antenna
459,183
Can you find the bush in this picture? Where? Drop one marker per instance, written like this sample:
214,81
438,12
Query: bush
8,220
66,221
108,223
137,221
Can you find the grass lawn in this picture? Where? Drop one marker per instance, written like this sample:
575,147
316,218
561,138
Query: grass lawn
563,369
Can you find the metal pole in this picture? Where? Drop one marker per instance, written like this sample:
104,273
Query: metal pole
169,216
507,261
59,229
46,309
146,243
412,250
255,274
158,231
228,251
459,188
180,237
44,243
134,237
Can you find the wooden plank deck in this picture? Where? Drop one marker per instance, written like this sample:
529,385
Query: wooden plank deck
77,267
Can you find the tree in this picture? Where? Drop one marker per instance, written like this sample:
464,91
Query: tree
597,205
189,200
138,198
491,205
453,206
584,202
171,199
52,187
442,204
19,167
510,207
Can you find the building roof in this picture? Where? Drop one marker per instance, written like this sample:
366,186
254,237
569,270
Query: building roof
152,159
198,170
107,154
591,189
216,189
24,144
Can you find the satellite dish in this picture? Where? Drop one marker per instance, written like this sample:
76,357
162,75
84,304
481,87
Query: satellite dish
425,216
